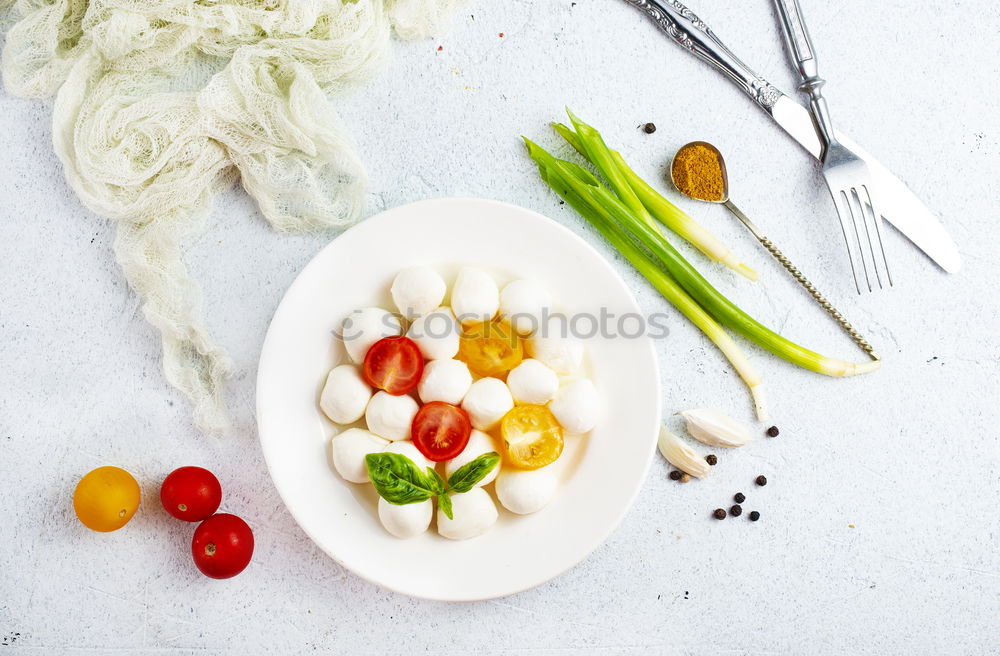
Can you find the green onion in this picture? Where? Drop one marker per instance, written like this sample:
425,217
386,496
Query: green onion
724,310
589,143
641,242
555,172
598,153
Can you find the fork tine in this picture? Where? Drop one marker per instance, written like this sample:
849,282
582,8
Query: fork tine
863,214
864,209
849,222
877,220
837,195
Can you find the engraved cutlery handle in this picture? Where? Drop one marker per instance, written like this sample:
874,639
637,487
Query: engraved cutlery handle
684,27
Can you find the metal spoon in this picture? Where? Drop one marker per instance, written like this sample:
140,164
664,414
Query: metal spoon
772,249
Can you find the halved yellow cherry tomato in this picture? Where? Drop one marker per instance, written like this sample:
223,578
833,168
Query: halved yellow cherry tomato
106,498
532,437
490,348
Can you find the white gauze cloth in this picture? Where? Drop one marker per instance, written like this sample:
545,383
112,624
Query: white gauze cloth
160,104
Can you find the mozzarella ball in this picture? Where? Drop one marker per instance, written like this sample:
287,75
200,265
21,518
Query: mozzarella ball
474,512
532,382
417,290
390,416
405,521
577,406
437,334
555,347
486,402
524,303
524,492
479,443
475,296
362,328
444,380
345,395
349,450
410,450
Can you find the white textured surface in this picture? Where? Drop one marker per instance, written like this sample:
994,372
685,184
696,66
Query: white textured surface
909,456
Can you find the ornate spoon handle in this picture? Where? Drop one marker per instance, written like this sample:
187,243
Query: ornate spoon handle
802,280
684,27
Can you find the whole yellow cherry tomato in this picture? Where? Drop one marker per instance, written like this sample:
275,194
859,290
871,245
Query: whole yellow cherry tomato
106,498
532,437
490,348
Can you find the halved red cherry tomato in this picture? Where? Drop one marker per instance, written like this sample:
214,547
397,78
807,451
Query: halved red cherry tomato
394,364
222,546
191,494
440,430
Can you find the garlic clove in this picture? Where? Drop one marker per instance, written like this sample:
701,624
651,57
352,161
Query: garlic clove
715,429
681,456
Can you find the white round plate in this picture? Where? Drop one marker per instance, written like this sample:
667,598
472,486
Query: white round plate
602,472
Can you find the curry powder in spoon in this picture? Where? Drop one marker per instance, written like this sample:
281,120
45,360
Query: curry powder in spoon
699,172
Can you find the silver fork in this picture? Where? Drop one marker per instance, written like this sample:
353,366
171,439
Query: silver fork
847,175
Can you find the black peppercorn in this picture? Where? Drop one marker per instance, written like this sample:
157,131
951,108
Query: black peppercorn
719,513
772,431
685,477
739,497
736,510
711,459
649,128
675,475
760,480
754,516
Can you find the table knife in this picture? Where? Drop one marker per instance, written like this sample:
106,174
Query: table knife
899,205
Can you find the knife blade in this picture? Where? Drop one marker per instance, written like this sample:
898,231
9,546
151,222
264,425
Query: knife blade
900,206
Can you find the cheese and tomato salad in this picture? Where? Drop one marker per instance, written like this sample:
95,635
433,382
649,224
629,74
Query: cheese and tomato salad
449,383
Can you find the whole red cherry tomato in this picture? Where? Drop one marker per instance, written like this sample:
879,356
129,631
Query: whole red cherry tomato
222,546
394,364
440,430
191,494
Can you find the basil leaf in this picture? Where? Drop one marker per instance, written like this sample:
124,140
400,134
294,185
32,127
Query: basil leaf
466,477
436,480
444,503
398,480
